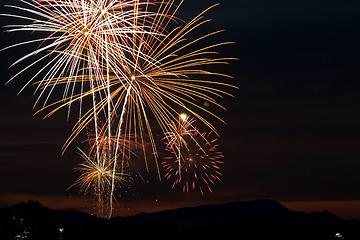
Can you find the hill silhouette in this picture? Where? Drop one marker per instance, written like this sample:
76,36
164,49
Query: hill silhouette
248,220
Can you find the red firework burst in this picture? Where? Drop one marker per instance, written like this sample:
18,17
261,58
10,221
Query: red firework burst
200,163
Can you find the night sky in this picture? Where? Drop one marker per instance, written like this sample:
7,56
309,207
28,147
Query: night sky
293,128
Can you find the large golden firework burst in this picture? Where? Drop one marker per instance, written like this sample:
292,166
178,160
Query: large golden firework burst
170,77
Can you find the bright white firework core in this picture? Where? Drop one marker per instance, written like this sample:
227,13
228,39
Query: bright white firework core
183,116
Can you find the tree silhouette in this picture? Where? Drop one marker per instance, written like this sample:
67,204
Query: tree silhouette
30,221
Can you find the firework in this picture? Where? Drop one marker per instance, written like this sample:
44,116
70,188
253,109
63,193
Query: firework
97,178
179,129
168,75
176,138
125,64
101,173
85,40
200,163
98,175
100,143
82,37
171,76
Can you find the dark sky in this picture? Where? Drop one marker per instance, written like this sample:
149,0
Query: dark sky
292,131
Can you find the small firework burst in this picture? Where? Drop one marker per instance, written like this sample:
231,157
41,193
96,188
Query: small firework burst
100,174
96,179
200,163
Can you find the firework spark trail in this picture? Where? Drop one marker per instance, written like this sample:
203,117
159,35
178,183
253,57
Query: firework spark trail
176,137
102,142
179,129
119,133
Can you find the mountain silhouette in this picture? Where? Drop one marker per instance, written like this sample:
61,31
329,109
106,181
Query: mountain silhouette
211,214
248,220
